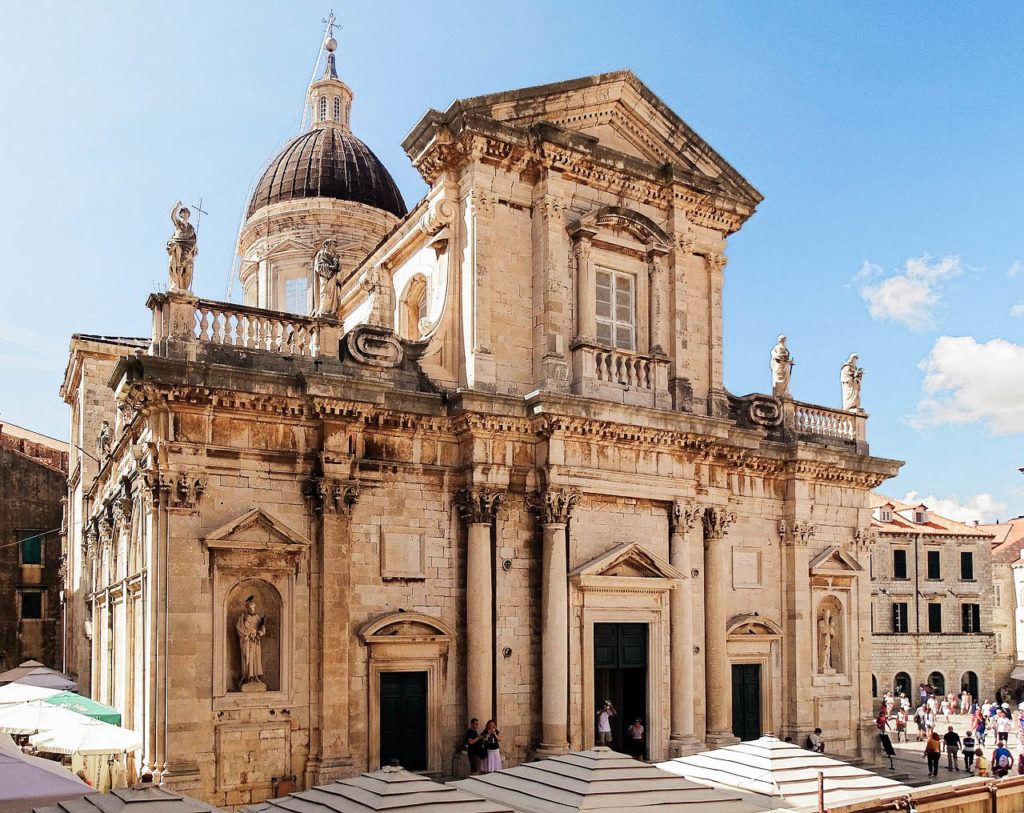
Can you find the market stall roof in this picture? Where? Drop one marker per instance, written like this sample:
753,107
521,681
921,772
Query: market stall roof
33,673
29,718
85,706
775,774
132,800
600,780
26,781
86,736
23,693
390,788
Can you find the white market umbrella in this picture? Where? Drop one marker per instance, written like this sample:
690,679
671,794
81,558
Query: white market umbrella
23,693
33,673
86,736
27,782
28,718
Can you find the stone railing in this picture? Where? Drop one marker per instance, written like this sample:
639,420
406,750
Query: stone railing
620,375
255,329
824,422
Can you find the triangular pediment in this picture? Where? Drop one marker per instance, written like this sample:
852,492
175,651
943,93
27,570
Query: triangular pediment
630,560
622,114
256,530
834,560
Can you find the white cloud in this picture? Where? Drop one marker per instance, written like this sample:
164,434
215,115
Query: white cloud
968,381
981,507
909,298
1016,268
1017,310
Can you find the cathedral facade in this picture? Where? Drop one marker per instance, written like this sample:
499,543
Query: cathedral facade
473,459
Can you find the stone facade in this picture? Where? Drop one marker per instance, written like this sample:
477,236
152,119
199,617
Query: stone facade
932,614
473,499
1008,604
33,470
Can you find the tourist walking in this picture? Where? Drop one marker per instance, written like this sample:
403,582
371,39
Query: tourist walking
492,744
979,727
932,751
969,744
635,735
952,742
1003,726
901,725
473,743
1002,761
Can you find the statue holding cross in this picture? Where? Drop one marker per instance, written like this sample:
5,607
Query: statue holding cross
181,249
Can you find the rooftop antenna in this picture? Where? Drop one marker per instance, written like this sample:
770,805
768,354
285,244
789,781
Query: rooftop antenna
329,43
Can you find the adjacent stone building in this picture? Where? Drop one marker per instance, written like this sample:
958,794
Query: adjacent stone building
931,589
495,474
33,472
1008,604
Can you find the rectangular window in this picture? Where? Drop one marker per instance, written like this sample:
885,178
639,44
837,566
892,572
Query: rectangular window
899,617
997,598
934,565
970,618
966,565
31,604
614,310
31,545
934,618
295,300
899,564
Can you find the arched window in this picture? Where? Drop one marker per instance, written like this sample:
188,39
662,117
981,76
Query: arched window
874,686
902,685
969,684
323,108
337,108
413,309
937,682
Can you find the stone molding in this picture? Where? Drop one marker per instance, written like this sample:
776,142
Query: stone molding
374,346
682,517
553,506
188,490
716,523
329,495
478,506
796,533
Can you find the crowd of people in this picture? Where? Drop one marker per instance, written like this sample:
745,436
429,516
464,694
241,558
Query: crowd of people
932,712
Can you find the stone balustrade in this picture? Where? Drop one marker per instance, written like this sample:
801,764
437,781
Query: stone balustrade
620,375
255,329
815,421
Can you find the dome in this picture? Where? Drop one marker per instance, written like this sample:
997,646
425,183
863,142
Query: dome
328,162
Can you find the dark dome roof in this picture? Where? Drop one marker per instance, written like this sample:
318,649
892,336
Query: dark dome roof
328,162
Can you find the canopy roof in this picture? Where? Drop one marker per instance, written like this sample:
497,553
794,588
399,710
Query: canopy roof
776,774
390,788
34,673
599,780
28,718
132,800
26,781
85,706
85,736
24,693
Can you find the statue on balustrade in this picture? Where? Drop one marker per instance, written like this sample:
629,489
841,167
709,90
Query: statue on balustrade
782,367
251,627
850,376
325,268
378,284
181,249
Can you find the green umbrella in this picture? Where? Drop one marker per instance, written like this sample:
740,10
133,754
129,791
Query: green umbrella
83,705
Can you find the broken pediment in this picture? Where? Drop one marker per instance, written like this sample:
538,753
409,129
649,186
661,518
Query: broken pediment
834,561
256,530
627,562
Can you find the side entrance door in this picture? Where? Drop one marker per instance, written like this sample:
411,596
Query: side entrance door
403,719
620,675
746,701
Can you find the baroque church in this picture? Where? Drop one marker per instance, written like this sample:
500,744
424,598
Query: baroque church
469,459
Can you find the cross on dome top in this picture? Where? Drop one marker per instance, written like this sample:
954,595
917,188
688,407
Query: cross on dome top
329,99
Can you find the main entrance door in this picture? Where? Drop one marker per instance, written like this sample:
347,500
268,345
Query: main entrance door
746,700
620,675
403,719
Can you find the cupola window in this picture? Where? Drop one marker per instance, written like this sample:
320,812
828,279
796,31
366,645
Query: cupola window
615,317
337,108
323,108
296,295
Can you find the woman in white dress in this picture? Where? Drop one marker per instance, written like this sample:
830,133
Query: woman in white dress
492,745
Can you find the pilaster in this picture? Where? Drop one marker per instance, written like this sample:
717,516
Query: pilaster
684,519
552,282
717,671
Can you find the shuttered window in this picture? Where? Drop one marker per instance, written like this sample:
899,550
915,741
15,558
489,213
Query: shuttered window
615,310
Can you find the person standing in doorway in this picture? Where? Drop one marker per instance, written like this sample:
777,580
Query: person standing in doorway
492,744
635,734
604,723
473,743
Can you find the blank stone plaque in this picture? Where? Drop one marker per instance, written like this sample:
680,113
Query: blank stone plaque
402,553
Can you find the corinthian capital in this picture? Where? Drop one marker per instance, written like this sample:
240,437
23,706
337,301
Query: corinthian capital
478,506
330,496
716,523
796,533
683,516
553,506
717,262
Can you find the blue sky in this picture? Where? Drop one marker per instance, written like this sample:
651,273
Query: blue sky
886,140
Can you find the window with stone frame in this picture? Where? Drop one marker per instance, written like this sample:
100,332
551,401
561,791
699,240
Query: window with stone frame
899,617
967,565
30,547
296,294
323,108
934,617
899,563
615,309
934,565
970,620
337,108
30,605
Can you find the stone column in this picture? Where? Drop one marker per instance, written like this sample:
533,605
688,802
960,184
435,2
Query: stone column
332,499
717,403
800,628
682,519
478,509
717,672
586,328
553,508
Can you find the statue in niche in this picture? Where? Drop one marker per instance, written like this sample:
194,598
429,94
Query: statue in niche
251,627
182,249
827,634
850,376
325,268
782,367
104,440
378,284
